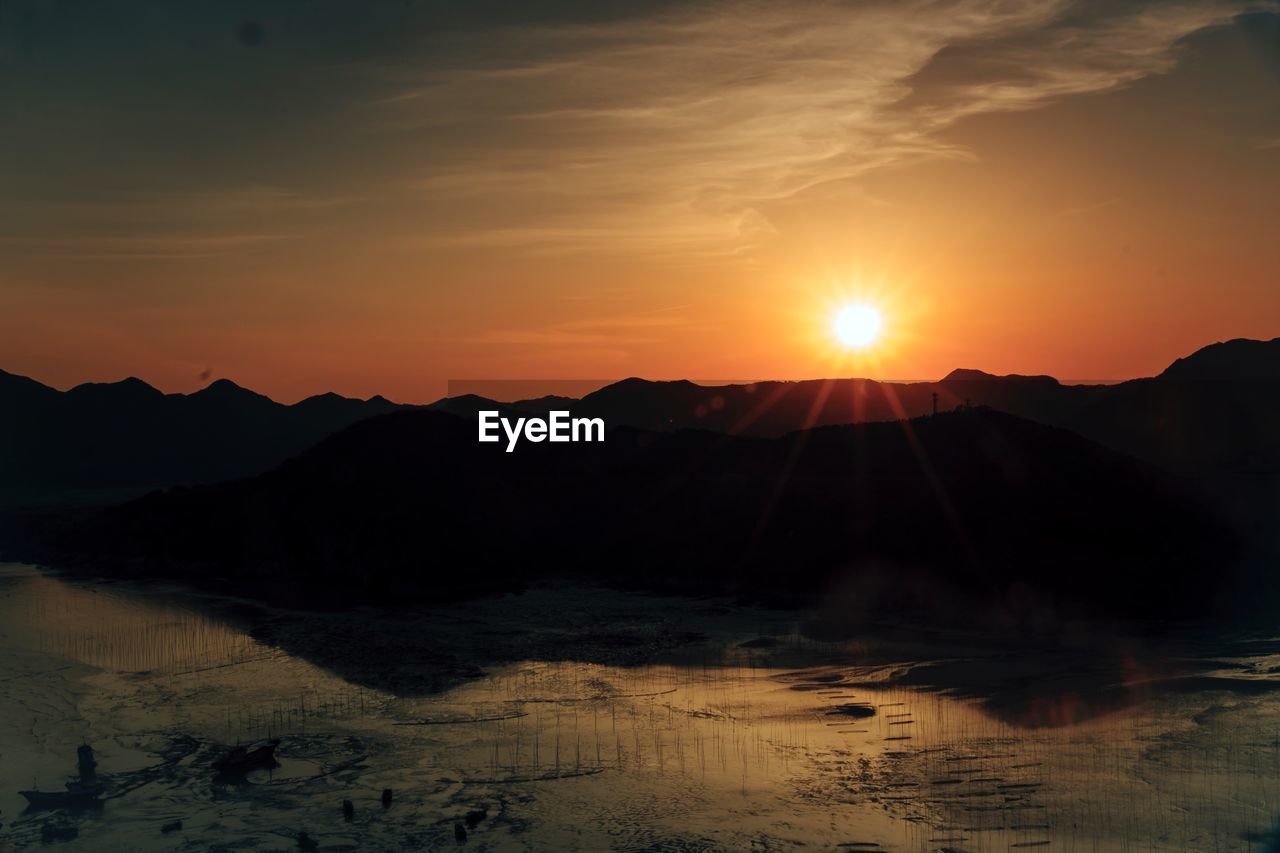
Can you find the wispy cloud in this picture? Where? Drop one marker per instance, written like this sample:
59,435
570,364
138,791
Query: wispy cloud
669,130
226,201
144,246
139,224
644,327
677,133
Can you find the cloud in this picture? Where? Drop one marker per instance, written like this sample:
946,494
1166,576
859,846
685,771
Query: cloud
141,247
676,134
617,329
668,130
141,224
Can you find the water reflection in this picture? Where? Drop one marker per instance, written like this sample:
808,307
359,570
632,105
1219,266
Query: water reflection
724,746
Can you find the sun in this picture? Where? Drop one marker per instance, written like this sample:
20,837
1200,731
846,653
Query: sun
857,326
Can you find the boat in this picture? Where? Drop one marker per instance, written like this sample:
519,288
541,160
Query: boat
242,759
78,795
82,793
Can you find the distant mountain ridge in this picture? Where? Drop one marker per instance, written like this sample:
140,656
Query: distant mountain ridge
1213,415
969,375
1214,410
774,408
1016,481
128,435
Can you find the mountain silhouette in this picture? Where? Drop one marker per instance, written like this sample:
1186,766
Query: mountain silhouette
1239,359
128,435
1215,410
1214,414
771,409
967,506
970,375
1110,496
470,405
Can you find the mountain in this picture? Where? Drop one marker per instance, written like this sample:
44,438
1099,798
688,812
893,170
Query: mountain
969,375
772,409
1217,409
470,405
1239,359
966,509
1213,416
127,435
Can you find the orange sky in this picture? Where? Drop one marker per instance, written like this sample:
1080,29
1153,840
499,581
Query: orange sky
377,200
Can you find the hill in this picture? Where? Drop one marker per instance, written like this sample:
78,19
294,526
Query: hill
127,435
771,409
973,508
1239,359
1213,417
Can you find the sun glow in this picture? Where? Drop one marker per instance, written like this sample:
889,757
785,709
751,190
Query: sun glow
858,323
857,326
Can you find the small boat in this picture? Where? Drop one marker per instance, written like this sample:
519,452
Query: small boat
242,759
82,793
79,795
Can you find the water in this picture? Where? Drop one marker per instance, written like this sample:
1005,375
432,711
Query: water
703,745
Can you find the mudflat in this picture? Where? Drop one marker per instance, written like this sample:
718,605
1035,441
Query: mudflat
580,718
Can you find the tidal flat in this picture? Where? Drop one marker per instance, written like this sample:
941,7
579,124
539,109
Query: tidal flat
574,718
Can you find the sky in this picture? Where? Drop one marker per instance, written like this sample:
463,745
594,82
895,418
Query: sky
380,197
